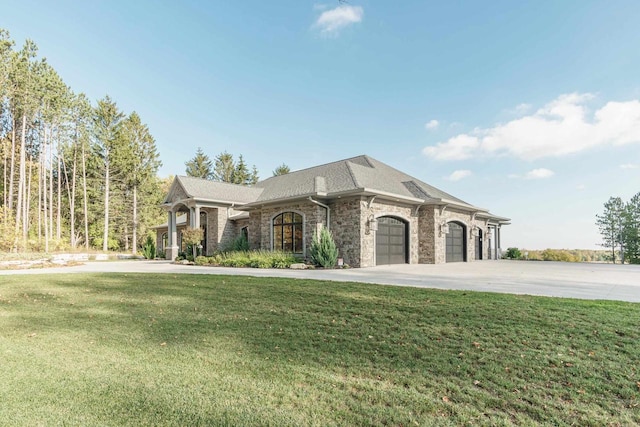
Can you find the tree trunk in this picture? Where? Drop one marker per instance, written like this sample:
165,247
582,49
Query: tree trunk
21,180
72,196
13,161
58,214
27,207
84,191
51,184
106,206
45,211
135,219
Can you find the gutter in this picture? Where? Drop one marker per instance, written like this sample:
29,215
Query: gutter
326,207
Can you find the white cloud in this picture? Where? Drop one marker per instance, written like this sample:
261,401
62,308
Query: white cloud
458,175
457,148
431,124
629,166
539,174
330,22
561,127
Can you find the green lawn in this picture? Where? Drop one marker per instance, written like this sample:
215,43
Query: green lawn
133,349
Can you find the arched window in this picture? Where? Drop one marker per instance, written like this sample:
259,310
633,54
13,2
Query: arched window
287,232
164,241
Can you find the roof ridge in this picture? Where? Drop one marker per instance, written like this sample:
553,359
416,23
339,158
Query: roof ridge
321,165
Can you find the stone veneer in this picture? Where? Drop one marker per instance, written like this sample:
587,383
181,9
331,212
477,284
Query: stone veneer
350,228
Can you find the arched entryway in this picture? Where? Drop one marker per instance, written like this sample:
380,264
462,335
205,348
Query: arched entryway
479,242
456,243
391,241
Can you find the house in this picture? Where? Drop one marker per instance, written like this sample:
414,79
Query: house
377,215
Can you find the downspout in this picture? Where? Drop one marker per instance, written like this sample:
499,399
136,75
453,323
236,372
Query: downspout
326,207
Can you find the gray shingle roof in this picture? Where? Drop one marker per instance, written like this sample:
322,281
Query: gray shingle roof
205,189
356,175
349,175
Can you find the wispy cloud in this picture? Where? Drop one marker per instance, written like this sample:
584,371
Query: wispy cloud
540,173
432,124
332,21
560,128
629,166
458,175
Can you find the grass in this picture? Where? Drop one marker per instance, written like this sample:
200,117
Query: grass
140,350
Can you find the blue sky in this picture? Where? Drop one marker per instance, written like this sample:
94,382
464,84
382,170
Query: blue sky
528,108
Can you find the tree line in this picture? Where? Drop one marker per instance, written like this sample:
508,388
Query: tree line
73,173
225,168
619,225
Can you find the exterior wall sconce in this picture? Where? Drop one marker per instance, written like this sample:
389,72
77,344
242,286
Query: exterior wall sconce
444,229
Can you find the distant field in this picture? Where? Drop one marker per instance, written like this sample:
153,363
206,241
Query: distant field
134,349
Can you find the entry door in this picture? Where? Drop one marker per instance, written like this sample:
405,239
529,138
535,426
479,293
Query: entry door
391,241
456,248
479,245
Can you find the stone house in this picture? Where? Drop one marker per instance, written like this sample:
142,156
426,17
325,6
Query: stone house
377,215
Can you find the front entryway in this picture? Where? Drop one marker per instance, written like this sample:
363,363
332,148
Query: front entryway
391,241
456,243
479,245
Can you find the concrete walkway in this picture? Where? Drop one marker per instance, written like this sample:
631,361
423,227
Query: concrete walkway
557,279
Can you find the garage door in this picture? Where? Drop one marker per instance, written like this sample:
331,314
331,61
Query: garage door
456,248
391,241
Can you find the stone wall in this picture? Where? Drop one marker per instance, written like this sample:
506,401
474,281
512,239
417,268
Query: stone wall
427,234
347,227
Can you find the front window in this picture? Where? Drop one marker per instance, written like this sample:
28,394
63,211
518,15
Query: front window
165,240
287,232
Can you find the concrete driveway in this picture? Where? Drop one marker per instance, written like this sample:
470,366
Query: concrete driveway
557,279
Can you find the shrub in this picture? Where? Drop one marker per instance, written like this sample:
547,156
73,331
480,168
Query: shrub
323,249
149,248
240,243
513,253
202,260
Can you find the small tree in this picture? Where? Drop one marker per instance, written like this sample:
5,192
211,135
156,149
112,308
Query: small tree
193,236
323,249
513,253
149,248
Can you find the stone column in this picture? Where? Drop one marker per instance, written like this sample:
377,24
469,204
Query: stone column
172,251
196,217
498,246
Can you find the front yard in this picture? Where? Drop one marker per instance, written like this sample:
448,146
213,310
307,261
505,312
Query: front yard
139,349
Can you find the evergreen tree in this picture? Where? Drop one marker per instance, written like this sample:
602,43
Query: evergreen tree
631,230
200,166
142,165
107,141
610,224
283,169
224,168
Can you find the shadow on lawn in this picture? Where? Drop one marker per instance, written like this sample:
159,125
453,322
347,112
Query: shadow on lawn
389,338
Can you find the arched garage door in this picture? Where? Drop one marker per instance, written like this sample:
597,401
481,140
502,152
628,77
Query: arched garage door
456,243
391,241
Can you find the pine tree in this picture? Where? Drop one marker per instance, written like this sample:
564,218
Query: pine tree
107,140
283,169
610,225
200,166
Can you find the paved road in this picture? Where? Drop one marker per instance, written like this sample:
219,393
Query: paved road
557,279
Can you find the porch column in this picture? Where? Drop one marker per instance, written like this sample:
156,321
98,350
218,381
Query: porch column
196,217
498,246
172,251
